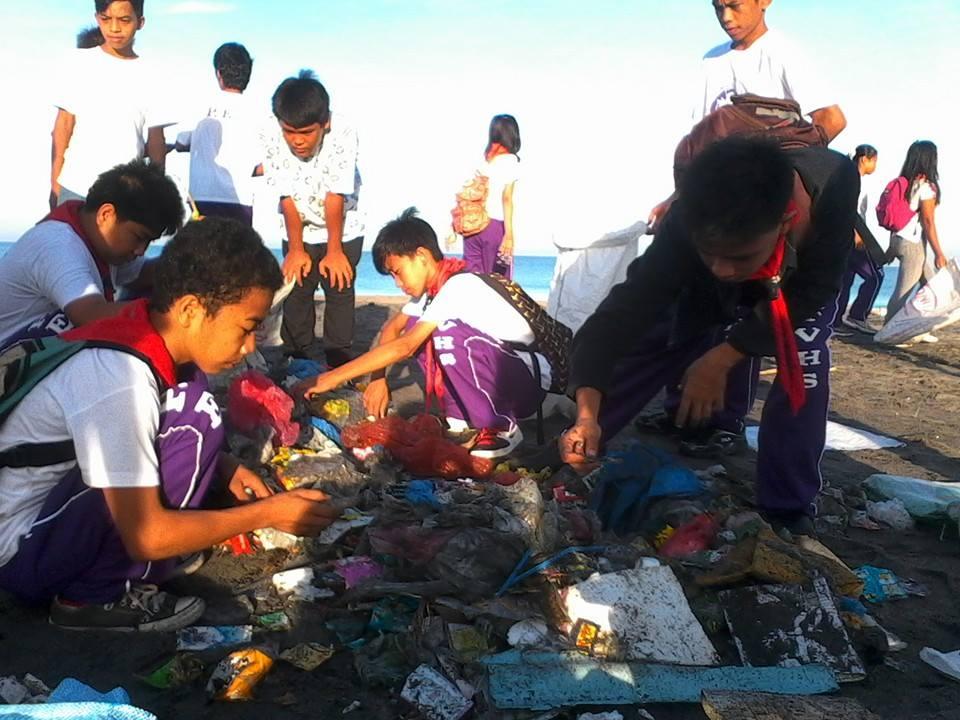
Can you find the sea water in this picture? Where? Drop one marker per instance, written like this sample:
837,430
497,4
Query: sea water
533,272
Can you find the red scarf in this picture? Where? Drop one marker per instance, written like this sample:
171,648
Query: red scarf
132,330
445,270
788,360
69,213
495,150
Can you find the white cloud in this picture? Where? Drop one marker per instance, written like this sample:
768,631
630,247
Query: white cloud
197,7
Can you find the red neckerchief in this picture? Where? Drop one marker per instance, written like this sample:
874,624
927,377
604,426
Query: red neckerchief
69,213
788,360
495,150
132,330
445,270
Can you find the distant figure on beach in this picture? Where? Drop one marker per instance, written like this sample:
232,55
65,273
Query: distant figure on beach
94,527
492,249
747,264
311,162
917,245
462,332
106,102
225,145
867,257
758,61
65,271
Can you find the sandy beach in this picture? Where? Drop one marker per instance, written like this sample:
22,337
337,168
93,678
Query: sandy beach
909,393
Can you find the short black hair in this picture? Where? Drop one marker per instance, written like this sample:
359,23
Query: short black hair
736,189
102,6
139,192
301,101
403,236
218,260
505,131
234,64
89,37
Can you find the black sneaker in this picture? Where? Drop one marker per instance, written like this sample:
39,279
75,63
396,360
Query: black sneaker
657,424
714,444
495,444
796,523
143,607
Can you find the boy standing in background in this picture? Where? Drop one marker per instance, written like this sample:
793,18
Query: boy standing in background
312,165
91,134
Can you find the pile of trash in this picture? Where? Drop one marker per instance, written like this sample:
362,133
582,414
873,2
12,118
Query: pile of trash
462,587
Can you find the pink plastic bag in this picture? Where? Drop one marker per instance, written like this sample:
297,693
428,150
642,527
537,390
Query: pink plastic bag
254,401
696,536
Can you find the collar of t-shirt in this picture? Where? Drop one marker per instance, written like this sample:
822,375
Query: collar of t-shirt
69,213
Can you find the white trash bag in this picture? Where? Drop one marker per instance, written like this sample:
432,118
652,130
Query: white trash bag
935,305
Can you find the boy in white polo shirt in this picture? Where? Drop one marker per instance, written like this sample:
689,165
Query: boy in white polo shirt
106,103
224,147
64,271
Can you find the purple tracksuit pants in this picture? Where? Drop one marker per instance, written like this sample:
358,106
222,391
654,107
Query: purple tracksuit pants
790,446
73,549
481,251
486,383
862,265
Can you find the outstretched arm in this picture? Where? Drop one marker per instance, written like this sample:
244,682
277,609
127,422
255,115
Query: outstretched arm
831,119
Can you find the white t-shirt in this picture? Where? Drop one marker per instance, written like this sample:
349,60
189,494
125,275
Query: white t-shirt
106,401
224,150
771,67
501,171
913,230
47,269
334,169
114,102
468,299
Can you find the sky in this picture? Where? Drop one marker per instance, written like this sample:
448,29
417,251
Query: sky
601,90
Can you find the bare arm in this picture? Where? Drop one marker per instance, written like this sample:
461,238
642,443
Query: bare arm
157,147
928,211
507,245
391,330
151,531
62,132
831,119
92,307
296,263
333,216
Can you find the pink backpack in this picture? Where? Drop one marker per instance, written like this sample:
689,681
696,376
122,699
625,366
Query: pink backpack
893,209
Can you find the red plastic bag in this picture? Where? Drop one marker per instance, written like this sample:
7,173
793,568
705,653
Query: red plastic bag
419,446
696,536
254,401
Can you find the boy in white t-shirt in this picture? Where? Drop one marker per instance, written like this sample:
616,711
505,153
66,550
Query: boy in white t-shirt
224,147
64,271
463,333
311,163
761,62
105,104
136,442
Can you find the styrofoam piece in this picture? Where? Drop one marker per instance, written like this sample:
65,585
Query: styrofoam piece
643,615
299,583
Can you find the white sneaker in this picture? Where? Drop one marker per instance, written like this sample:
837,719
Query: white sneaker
927,338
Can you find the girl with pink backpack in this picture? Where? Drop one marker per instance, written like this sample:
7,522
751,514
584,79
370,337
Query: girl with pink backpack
920,179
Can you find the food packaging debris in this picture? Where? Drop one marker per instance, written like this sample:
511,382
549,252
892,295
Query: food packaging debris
357,570
351,520
527,633
274,622
236,676
299,583
182,669
435,696
892,513
271,539
206,637
307,656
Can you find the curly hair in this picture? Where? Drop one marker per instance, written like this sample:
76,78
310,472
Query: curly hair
141,193
217,259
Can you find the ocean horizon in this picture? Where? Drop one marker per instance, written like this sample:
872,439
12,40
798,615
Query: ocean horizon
533,272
